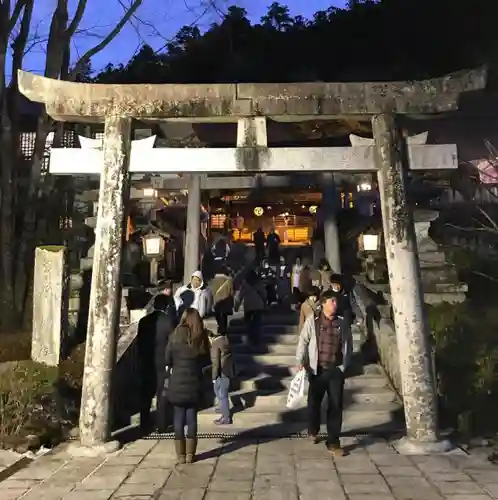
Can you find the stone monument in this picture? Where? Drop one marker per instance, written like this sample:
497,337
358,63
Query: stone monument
50,303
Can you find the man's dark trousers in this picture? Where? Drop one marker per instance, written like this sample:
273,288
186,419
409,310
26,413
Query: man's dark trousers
328,381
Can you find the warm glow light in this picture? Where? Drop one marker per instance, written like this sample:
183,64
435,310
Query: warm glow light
313,209
370,242
150,193
258,211
153,245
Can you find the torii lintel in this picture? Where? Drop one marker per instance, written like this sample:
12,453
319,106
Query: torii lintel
68,101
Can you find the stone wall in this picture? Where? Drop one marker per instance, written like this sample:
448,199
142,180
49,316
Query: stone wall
385,339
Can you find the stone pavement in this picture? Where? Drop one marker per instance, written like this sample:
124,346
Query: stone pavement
8,459
273,470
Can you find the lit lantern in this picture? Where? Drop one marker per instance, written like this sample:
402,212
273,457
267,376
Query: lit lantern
150,193
313,209
258,211
369,242
153,245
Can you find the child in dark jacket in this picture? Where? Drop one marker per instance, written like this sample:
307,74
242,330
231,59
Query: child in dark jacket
346,305
222,372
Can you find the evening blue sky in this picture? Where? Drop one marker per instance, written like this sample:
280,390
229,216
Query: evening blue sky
164,17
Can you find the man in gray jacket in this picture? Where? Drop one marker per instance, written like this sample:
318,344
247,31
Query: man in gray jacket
324,351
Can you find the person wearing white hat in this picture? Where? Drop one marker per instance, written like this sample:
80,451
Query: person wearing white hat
195,294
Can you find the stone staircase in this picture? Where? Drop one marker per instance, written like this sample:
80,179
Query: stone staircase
260,393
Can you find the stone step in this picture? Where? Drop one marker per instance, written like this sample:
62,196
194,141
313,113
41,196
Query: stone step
287,318
279,348
266,338
269,383
266,359
279,338
250,366
287,359
240,328
266,348
352,425
356,416
265,398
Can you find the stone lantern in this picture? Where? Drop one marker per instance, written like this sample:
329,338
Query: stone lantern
439,279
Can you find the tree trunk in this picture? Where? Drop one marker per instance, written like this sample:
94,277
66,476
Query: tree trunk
7,305
22,206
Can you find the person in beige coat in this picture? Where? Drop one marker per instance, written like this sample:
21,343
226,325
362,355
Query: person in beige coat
324,271
222,291
252,296
320,276
310,306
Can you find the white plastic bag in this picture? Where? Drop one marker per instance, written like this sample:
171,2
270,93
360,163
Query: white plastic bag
296,390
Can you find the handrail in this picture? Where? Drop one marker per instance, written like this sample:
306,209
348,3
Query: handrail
126,378
126,339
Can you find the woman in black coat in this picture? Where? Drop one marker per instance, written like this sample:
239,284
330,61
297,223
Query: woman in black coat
187,354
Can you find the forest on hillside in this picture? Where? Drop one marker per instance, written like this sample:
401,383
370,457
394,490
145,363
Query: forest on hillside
369,40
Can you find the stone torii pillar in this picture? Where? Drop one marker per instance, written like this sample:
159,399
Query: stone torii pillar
330,229
412,331
105,296
193,227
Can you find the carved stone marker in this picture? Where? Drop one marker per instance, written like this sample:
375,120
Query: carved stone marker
50,301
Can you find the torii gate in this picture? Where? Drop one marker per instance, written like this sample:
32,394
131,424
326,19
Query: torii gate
250,105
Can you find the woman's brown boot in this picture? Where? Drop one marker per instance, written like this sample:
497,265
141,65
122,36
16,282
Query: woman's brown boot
191,449
180,448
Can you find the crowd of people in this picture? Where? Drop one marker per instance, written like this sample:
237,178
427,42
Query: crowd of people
178,351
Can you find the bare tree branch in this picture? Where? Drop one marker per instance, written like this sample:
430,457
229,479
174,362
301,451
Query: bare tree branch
192,24
15,14
19,44
78,16
488,218
108,39
56,35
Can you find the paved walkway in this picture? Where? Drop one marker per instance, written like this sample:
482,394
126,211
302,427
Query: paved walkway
276,470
